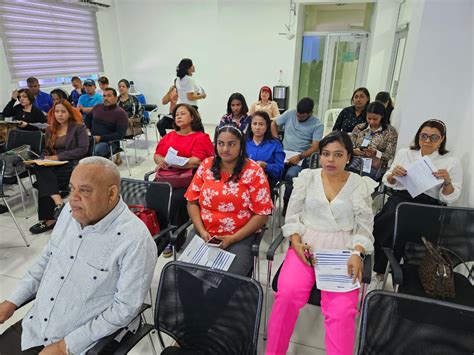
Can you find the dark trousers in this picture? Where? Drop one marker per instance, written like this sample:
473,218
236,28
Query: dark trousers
384,224
10,342
51,179
166,122
292,171
179,213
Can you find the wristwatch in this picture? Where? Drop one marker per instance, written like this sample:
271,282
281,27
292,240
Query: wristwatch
359,254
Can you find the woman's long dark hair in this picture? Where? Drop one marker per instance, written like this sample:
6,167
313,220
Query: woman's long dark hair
241,160
196,123
183,67
268,122
440,126
378,108
384,97
237,96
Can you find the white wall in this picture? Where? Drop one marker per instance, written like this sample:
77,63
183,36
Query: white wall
379,51
234,45
437,78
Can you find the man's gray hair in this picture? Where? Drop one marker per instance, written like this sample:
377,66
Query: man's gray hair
106,164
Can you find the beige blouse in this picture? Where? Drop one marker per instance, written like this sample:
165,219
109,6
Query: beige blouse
270,107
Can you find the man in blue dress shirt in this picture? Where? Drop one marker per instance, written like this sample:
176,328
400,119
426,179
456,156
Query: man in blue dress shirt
42,100
91,278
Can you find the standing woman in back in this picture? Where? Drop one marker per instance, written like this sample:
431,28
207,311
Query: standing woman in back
188,91
353,115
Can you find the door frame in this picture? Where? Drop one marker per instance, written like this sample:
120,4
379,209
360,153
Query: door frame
401,32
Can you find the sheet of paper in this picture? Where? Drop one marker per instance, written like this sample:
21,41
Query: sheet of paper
197,252
419,177
290,154
331,271
172,158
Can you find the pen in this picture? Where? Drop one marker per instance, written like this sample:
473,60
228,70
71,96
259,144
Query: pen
428,165
308,257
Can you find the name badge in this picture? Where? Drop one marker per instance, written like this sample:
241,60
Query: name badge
367,165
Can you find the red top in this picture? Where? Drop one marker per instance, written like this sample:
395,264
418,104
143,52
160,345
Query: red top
196,144
227,206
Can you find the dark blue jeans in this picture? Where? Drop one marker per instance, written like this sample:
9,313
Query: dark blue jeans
292,171
102,149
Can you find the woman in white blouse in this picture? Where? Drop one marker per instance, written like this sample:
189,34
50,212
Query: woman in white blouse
188,91
430,141
330,208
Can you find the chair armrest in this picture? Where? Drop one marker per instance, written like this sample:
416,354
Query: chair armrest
178,231
257,240
272,248
397,273
148,174
102,343
163,232
129,343
149,107
367,271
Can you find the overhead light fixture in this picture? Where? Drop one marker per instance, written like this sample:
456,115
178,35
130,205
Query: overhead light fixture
290,33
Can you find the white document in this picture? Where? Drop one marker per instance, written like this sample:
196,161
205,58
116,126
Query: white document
419,177
197,252
172,158
331,271
290,154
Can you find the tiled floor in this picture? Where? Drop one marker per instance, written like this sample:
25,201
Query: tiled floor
15,258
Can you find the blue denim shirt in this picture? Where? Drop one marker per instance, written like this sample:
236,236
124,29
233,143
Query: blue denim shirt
89,282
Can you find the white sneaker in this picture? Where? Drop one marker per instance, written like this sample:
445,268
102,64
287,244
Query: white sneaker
376,283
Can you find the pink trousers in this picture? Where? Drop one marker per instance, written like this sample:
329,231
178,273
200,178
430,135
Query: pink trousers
294,286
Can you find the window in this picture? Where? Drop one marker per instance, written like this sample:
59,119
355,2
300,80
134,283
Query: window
49,39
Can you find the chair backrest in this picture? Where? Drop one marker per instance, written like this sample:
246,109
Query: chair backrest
18,137
394,323
330,118
207,310
314,161
449,227
151,194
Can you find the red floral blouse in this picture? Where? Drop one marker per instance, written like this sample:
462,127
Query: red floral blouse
228,206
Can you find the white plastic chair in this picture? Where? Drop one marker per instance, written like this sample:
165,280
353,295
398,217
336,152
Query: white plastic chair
330,118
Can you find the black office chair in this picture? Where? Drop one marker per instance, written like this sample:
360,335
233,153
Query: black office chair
448,227
206,311
315,294
154,195
3,197
407,325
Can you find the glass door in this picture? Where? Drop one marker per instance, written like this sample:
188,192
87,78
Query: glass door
331,68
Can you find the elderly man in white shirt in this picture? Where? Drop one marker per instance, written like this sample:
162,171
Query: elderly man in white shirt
91,278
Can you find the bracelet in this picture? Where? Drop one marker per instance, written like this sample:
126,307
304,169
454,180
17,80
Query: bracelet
300,156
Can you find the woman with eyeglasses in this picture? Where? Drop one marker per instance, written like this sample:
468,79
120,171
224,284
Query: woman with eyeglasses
430,141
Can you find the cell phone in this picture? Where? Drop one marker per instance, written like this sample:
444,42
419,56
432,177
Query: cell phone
214,242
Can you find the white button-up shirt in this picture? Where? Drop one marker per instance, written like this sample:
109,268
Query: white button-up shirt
89,282
406,156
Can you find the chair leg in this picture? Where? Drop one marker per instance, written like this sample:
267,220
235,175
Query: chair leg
126,159
146,139
135,148
16,222
150,339
265,302
22,189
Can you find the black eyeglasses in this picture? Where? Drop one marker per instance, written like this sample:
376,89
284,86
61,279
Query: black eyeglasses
433,138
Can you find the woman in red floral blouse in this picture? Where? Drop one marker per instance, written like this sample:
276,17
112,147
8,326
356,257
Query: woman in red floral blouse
229,198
